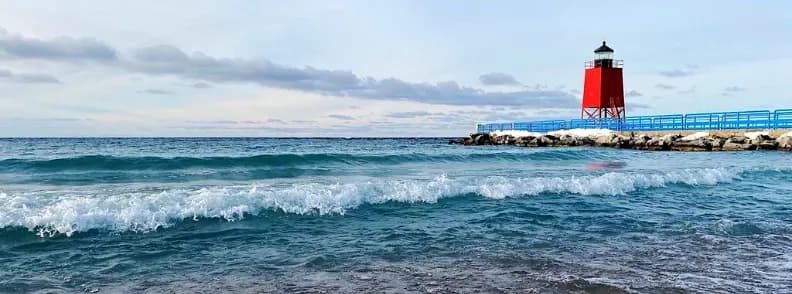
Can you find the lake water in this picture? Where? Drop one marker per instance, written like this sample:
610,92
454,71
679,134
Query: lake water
388,215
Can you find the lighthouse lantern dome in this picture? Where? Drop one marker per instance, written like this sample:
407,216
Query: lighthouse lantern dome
603,52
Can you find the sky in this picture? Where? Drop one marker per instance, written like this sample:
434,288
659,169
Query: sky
371,68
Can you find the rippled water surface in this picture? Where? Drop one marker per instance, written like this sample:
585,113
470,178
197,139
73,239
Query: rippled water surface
388,215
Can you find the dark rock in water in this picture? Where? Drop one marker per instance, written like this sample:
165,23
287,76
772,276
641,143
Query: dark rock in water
461,141
547,141
481,139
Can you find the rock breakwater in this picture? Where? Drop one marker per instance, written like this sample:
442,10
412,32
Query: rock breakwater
697,142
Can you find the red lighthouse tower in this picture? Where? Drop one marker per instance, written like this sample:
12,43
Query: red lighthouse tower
603,89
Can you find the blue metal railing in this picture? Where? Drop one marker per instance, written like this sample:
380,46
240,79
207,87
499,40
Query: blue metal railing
755,119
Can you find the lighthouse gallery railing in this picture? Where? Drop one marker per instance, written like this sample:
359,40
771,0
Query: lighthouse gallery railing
737,120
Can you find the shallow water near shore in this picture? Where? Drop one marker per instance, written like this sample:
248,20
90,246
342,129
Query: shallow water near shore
392,215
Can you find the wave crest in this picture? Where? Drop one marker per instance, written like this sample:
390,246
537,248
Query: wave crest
49,215
105,162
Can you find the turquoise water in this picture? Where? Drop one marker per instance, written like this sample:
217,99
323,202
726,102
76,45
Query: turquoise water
388,215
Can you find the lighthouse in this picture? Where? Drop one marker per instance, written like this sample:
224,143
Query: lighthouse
603,89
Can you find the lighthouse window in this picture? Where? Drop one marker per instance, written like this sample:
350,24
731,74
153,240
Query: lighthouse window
607,55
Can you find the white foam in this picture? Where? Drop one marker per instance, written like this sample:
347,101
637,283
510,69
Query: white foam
695,136
787,134
584,132
515,133
70,212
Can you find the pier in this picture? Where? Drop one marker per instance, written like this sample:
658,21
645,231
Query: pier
712,121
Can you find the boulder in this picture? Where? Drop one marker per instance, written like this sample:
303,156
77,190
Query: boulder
481,139
525,141
738,143
716,142
784,143
547,141
552,138
661,143
640,141
697,145
604,141
738,139
759,139
732,146
568,140
622,142
670,138
502,140
767,145
586,141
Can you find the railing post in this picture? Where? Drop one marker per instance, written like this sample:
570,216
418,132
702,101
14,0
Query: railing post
775,119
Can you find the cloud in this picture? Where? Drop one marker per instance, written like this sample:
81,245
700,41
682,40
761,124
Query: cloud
496,78
157,92
690,90
237,122
408,114
638,106
61,48
676,73
27,77
55,119
728,91
734,89
169,60
201,85
664,86
633,93
341,117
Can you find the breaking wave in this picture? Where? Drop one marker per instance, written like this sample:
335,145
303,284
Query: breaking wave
138,211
